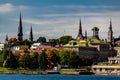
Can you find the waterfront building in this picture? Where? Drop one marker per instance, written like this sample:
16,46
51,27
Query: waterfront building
92,46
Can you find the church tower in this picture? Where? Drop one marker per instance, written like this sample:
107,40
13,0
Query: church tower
95,32
20,32
110,33
31,34
80,35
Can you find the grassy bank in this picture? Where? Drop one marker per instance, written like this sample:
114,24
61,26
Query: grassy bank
21,71
69,71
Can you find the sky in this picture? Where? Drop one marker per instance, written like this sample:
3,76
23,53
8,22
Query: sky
55,18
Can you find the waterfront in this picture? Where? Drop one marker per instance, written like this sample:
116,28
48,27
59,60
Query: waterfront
57,77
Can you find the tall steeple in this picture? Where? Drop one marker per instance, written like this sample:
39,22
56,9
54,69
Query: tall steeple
31,34
6,39
80,35
20,32
110,33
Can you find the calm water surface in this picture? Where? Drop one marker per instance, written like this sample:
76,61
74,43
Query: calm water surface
56,77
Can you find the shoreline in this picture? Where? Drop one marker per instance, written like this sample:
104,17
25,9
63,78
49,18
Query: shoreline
48,71
34,72
43,72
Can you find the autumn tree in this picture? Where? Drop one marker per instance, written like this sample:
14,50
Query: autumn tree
12,40
53,56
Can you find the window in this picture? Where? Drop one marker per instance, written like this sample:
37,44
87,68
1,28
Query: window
74,43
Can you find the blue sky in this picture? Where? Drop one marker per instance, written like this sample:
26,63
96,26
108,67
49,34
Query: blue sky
53,18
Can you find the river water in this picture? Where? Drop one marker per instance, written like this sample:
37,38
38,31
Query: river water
57,77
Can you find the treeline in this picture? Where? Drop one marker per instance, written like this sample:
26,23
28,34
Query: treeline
61,40
44,60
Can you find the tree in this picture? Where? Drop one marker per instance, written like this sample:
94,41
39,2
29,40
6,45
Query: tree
74,61
11,61
12,40
64,56
24,60
53,56
65,39
5,54
25,42
24,47
43,61
53,42
41,39
34,64
70,58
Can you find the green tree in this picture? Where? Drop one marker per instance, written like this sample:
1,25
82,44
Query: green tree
24,60
34,64
11,61
74,61
41,39
43,61
53,42
64,56
5,54
65,39
25,42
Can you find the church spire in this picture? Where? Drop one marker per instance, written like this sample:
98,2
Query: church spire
110,28
86,33
80,35
110,33
20,33
31,34
6,39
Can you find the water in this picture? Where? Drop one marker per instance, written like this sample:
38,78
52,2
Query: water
56,77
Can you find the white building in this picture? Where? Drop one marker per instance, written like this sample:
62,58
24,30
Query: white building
35,45
2,46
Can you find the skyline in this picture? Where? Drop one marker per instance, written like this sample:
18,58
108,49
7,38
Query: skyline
53,18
